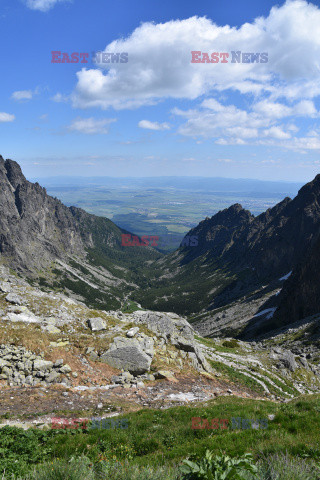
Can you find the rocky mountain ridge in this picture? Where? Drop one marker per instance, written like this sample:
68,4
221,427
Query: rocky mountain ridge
240,266
41,238
235,282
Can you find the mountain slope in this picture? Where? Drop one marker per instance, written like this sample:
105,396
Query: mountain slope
64,247
237,256
223,284
300,297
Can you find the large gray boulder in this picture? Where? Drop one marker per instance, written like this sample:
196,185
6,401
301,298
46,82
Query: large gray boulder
168,325
130,354
5,287
287,360
97,324
23,316
14,299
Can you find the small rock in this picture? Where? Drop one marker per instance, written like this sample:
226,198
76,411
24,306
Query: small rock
58,363
59,344
93,356
132,332
117,379
65,369
50,329
164,374
52,377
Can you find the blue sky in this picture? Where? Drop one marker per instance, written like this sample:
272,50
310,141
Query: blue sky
160,114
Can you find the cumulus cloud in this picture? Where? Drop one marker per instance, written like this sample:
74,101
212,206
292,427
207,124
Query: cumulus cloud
159,60
22,95
91,126
43,5
6,117
279,110
153,125
276,132
260,125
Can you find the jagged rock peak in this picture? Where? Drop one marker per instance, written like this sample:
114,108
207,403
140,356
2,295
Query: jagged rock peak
235,211
14,173
312,187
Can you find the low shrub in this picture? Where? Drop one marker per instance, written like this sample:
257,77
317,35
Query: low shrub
73,469
215,467
282,466
230,343
126,471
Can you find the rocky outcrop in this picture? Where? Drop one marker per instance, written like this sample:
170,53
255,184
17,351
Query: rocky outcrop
172,329
300,296
132,354
34,228
37,231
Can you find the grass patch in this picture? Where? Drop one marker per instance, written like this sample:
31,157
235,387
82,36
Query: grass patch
237,377
165,437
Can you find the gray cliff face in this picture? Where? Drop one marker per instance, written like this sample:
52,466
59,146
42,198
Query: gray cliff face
300,296
34,227
64,247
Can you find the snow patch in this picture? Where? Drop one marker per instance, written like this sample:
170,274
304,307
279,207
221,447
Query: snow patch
269,311
285,277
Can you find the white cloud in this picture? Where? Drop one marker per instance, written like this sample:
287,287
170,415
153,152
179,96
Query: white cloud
6,117
276,132
59,98
279,110
305,108
159,60
22,95
213,119
90,126
43,5
271,109
229,125
153,125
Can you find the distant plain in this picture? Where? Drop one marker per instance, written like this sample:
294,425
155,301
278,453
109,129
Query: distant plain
165,206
